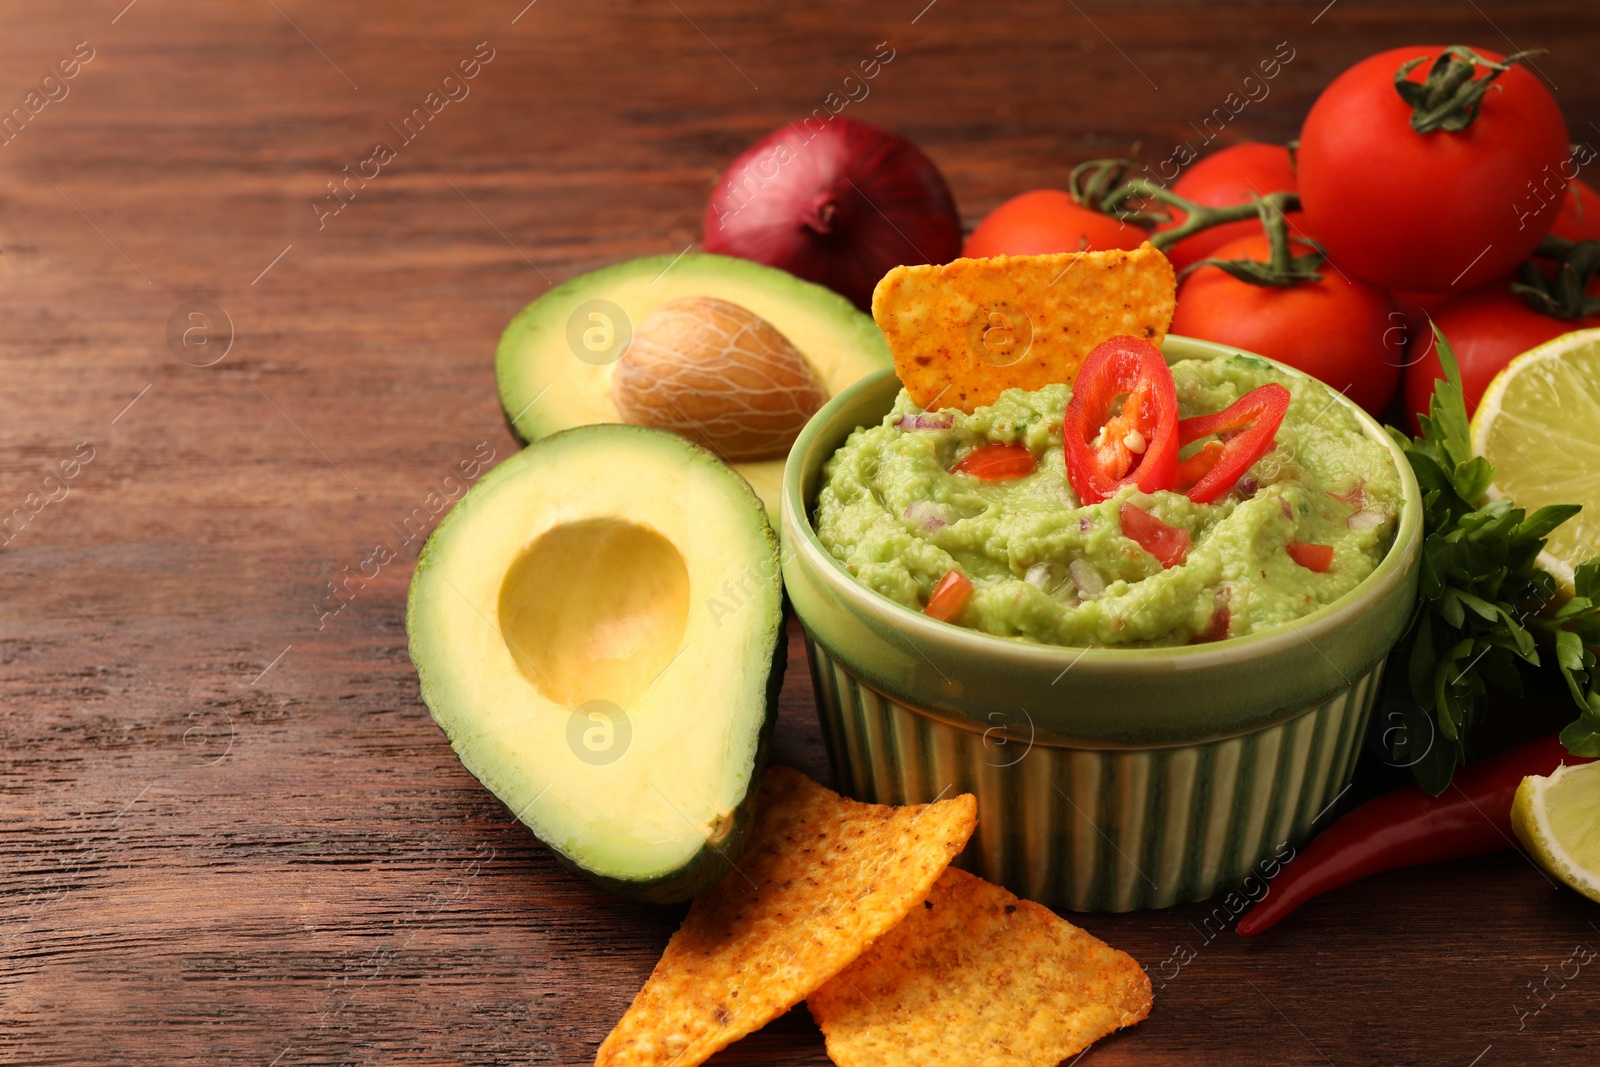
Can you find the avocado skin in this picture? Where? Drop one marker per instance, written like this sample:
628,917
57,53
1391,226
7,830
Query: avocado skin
709,864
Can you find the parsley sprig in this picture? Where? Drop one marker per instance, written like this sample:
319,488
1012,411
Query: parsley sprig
1482,596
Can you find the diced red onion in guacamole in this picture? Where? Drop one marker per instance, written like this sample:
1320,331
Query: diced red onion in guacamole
924,421
926,514
1044,577
1356,497
1366,519
1090,584
1221,619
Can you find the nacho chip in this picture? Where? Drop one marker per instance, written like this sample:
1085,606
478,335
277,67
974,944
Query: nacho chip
976,976
819,880
964,332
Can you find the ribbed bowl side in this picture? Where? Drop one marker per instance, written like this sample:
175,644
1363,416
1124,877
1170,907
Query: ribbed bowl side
1100,829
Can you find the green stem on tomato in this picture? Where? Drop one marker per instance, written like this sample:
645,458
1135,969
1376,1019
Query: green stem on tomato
1451,95
1097,184
1566,296
1282,268
1103,185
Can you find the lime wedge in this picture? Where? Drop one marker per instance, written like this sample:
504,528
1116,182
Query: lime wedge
1539,424
1558,819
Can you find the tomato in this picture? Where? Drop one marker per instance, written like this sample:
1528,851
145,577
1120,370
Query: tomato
996,463
1333,329
1422,301
1136,445
1049,220
1168,544
1579,218
1245,428
1222,179
1312,557
949,596
1486,330
1435,211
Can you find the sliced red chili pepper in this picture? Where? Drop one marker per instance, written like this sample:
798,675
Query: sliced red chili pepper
1169,544
949,596
1311,556
1246,429
996,463
1108,447
1194,468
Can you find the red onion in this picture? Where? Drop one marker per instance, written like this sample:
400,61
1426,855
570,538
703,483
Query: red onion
1356,497
1221,623
1366,519
926,514
1090,584
924,422
837,202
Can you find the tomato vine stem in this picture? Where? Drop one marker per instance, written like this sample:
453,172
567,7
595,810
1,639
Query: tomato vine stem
1566,295
1103,185
1451,95
1283,268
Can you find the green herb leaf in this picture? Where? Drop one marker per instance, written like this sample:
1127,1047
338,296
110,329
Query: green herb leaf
1542,523
1570,653
1586,578
1435,769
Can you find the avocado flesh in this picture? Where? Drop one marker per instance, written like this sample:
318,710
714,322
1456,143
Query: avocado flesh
598,629
546,386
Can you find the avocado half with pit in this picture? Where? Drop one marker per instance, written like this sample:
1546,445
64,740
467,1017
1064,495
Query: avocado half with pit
598,629
557,358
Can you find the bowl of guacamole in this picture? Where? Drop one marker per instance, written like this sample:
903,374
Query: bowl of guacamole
1142,725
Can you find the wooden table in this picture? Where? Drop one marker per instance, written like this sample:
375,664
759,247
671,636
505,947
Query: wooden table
232,835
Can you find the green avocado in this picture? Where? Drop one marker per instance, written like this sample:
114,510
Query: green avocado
598,629
556,357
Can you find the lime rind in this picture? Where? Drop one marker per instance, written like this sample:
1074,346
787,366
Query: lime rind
1558,819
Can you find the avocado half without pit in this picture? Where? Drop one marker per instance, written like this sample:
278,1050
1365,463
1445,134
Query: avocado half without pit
732,354
598,629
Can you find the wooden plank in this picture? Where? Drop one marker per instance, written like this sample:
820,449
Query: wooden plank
231,833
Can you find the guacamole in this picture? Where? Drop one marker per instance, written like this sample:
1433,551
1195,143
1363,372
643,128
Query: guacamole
1046,568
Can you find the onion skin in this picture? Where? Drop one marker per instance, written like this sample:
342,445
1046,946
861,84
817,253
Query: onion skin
837,203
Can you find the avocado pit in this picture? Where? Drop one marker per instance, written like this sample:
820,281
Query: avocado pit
719,374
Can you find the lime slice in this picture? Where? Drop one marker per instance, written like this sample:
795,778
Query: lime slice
1539,424
1558,818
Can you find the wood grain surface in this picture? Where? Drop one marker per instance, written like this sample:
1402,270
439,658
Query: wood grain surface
231,834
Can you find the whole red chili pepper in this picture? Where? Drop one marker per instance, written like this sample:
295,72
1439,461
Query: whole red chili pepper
1409,828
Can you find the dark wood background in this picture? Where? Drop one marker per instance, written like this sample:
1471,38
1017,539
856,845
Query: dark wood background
231,833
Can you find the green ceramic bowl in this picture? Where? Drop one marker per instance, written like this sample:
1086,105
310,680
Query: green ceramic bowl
1107,779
